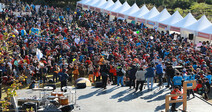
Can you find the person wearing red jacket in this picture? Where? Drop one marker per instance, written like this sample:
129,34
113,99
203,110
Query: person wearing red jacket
113,74
175,91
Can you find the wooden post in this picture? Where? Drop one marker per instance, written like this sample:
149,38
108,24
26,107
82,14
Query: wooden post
184,100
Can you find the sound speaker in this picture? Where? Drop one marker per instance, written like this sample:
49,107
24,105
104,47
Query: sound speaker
191,36
81,85
98,84
67,108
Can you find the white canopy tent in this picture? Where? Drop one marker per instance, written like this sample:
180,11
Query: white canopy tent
128,13
84,2
201,24
206,33
176,17
188,20
161,17
98,7
142,11
91,4
115,6
151,14
106,5
98,4
122,9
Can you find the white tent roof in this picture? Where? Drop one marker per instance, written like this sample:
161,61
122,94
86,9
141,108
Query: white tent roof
84,1
207,30
81,1
201,24
142,11
188,20
152,13
107,5
162,16
99,3
132,10
123,8
173,19
92,2
114,6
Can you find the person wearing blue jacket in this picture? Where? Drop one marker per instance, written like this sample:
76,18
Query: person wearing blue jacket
149,75
159,72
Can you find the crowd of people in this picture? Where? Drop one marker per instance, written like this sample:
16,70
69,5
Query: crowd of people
72,44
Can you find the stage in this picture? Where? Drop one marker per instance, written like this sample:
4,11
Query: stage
123,99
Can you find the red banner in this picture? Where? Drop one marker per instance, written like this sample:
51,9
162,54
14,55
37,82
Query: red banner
162,25
141,20
98,9
106,11
79,4
121,15
175,29
85,6
113,13
91,8
131,18
204,35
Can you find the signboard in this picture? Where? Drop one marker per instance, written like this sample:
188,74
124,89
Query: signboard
85,6
91,8
79,4
151,23
162,26
121,15
131,18
141,20
98,9
114,14
204,35
175,29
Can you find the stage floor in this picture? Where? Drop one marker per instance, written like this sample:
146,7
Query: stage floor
123,99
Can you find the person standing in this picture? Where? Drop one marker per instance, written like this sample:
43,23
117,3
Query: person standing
132,77
120,75
140,78
63,76
56,70
177,80
170,74
104,73
159,73
175,91
149,75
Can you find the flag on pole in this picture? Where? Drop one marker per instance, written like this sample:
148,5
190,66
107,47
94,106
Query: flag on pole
39,54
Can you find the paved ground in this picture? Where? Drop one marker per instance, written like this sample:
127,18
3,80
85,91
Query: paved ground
122,99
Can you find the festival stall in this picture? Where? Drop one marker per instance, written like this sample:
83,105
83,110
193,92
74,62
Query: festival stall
112,8
122,9
164,14
84,4
142,11
201,24
205,34
98,4
176,17
151,14
106,5
187,21
91,4
128,13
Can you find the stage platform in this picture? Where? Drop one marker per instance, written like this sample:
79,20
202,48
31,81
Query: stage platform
123,99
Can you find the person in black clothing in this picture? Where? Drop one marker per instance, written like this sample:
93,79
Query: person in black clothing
170,72
132,76
104,71
63,76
